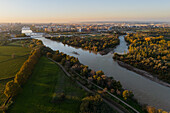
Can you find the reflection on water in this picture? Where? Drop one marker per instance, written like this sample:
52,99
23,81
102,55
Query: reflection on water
146,91
122,47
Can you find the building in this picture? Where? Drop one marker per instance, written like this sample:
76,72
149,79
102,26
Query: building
27,31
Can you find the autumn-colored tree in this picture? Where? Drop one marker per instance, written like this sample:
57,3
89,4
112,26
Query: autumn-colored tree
26,69
99,73
91,104
57,58
11,89
49,55
126,94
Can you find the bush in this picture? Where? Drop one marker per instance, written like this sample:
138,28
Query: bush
11,89
57,58
49,55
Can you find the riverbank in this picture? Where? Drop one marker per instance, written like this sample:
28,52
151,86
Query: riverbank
112,103
143,73
105,51
150,94
102,45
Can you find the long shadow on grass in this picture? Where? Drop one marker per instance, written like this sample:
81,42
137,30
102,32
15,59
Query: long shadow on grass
16,57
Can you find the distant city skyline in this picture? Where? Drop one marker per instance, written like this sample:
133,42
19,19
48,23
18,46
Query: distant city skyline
69,11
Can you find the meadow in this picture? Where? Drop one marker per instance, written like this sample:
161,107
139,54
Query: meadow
42,92
12,57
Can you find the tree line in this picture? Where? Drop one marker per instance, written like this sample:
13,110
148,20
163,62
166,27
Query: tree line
70,62
94,44
14,86
98,77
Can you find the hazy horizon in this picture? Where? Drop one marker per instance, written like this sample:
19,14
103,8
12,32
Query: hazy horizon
75,11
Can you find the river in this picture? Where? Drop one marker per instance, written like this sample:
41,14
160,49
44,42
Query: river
145,90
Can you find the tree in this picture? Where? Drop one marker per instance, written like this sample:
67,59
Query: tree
13,56
63,61
126,94
49,55
151,109
91,104
11,89
99,73
57,58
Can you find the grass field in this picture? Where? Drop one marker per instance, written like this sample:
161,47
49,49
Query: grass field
39,92
10,66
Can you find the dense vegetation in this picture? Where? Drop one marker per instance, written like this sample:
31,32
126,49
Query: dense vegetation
4,39
156,32
98,77
94,44
148,53
94,104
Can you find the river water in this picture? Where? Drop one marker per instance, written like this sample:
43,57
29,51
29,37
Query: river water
145,90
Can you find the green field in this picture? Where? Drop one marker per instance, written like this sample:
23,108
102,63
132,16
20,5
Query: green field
39,93
10,66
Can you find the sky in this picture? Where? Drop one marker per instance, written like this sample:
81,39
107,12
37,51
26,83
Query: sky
64,11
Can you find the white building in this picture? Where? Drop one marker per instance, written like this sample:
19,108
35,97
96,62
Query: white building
28,32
